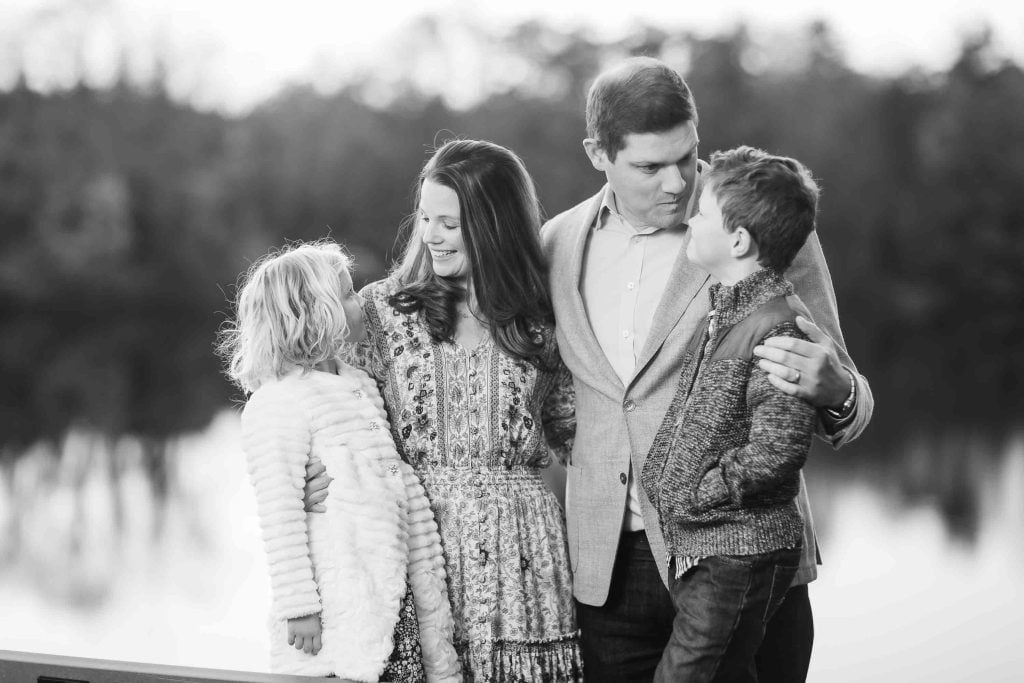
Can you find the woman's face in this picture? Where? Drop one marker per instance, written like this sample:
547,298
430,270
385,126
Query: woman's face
440,225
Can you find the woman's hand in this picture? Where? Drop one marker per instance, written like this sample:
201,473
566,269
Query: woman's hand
315,492
304,633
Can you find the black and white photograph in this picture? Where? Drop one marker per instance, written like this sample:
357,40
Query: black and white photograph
441,340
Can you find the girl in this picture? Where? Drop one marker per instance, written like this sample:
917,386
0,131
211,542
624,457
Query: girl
358,591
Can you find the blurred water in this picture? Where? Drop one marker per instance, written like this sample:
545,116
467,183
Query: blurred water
91,564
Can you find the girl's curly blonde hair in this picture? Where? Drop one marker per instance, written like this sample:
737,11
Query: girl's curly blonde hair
288,313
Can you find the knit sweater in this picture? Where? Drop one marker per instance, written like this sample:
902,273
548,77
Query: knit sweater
351,563
723,471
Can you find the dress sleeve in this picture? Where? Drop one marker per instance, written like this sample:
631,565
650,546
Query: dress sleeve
813,284
276,441
367,354
558,414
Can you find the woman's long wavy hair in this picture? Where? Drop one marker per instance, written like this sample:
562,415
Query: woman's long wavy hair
288,314
501,218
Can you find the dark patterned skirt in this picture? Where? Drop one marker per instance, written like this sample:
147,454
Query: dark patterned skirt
406,662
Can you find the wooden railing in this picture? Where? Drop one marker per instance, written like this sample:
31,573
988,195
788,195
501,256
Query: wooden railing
31,667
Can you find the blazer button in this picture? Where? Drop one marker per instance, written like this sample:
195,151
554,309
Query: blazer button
629,405
623,478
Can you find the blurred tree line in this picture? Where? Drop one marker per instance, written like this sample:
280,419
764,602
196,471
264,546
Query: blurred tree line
127,216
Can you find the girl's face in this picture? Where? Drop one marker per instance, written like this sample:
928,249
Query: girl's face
352,304
440,220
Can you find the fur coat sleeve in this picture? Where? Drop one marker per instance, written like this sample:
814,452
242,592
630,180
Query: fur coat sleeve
276,442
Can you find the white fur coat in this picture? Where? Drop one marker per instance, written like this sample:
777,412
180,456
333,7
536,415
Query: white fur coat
349,563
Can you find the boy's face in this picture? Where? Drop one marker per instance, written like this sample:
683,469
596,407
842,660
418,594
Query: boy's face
710,243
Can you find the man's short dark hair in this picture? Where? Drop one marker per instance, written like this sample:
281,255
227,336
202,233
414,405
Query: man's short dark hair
640,95
773,197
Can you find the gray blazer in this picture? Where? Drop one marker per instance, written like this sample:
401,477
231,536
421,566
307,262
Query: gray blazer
616,424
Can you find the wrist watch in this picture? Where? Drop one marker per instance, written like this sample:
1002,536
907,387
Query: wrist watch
846,409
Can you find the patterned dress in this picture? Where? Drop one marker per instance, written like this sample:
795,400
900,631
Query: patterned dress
405,665
469,421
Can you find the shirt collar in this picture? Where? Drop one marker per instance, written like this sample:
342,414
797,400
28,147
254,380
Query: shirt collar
610,209
734,303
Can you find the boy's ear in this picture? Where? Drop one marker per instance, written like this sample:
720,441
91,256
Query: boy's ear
596,154
743,245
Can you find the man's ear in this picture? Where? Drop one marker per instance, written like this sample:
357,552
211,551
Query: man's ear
596,154
743,244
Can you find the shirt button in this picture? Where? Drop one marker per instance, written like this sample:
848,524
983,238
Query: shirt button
623,478
629,405
625,334
630,286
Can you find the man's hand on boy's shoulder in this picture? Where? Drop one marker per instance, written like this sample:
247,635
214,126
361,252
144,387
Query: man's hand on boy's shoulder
806,368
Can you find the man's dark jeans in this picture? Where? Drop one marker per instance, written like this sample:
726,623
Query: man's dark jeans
785,653
622,640
723,606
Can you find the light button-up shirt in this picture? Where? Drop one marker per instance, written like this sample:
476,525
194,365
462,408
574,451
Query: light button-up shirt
625,272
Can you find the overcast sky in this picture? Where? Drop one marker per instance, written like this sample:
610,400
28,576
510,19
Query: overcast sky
232,53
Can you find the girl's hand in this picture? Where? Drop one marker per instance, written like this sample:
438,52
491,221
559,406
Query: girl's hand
304,633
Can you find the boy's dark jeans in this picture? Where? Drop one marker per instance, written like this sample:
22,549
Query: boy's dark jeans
722,607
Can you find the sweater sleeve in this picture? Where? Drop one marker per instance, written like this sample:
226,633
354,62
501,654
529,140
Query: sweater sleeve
276,441
813,284
766,469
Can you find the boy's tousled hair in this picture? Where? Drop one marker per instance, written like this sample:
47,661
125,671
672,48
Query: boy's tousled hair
288,314
773,197
640,95
500,223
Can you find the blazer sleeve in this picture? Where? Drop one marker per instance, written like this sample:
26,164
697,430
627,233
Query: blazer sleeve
276,440
813,284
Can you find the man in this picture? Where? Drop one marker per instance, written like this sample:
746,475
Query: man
626,303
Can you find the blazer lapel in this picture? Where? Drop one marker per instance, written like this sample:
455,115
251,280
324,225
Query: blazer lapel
595,366
684,283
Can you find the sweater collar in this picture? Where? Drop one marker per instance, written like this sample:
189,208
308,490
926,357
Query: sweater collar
734,303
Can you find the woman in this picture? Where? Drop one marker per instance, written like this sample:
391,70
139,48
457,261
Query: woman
462,345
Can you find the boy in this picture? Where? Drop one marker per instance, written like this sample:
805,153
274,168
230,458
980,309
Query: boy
723,470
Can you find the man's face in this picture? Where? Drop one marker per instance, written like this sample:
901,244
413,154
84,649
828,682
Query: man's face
652,176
